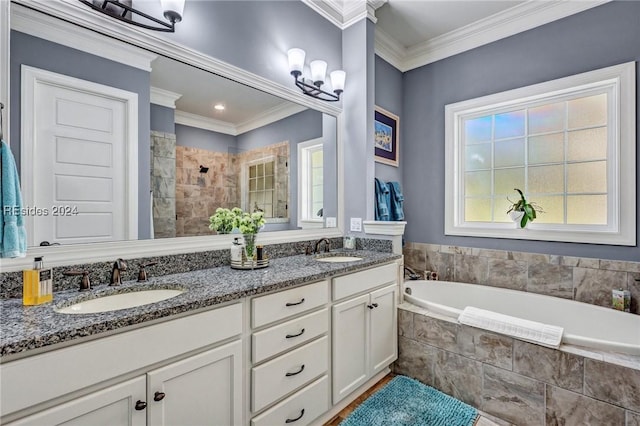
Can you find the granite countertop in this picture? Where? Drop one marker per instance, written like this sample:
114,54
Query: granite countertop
25,328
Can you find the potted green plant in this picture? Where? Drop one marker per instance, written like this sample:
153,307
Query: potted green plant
522,212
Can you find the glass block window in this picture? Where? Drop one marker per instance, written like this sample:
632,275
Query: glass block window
261,178
568,144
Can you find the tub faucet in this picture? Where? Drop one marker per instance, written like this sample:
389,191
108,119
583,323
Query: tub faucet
327,245
412,274
116,272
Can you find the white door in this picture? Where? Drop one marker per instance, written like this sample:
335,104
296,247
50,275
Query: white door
350,345
384,331
77,159
205,389
115,405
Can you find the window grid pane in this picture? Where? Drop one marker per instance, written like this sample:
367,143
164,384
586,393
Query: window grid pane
262,187
556,152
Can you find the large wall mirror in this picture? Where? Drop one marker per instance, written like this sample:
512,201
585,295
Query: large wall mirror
117,152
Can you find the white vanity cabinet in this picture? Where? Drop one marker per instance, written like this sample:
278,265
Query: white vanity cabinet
290,356
178,372
364,332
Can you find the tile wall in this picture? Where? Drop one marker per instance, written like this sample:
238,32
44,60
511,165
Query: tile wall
583,279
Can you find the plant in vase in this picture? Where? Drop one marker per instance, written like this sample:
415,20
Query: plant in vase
522,211
249,224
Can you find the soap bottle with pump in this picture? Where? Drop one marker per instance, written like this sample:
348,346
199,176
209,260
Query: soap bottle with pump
237,249
37,284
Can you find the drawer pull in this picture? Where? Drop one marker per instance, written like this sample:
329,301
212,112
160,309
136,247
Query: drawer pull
291,336
140,405
296,419
296,373
158,396
296,303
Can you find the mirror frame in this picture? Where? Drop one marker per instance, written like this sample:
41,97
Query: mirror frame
66,15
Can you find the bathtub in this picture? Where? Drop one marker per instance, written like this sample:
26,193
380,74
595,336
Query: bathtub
584,324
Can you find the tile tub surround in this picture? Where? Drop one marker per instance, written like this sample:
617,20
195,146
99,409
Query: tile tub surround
583,279
29,327
518,382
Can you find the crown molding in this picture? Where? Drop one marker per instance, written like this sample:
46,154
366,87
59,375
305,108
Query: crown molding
345,13
501,25
206,123
36,24
164,98
272,115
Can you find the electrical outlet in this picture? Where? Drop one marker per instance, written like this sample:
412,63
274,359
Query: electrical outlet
331,222
356,224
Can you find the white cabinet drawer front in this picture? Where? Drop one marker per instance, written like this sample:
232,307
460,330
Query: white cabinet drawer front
280,338
304,405
288,372
30,381
277,306
365,280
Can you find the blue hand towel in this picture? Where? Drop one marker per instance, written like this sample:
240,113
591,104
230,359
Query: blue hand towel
13,236
382,200
397,200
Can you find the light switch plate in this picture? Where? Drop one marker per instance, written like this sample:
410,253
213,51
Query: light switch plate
356,224
331,222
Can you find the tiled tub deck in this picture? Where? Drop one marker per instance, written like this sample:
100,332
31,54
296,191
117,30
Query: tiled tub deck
517,382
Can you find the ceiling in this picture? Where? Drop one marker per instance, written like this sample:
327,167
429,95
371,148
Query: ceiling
412,22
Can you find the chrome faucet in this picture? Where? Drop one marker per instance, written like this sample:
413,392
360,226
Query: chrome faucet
116,272
327,245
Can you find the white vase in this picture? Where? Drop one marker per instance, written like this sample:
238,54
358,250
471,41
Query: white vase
516,217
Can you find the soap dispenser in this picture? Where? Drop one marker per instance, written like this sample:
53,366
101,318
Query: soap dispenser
237,248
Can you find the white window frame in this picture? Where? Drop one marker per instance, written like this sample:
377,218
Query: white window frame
306,216
619,81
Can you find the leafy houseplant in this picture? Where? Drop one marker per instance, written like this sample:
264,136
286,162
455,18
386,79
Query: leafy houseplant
527,209
225,221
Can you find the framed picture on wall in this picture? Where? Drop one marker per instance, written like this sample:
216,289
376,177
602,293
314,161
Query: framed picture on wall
386,139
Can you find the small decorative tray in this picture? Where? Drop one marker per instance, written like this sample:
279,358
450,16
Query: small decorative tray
249,264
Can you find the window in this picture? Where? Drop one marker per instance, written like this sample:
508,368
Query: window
261,176
569,144
310,178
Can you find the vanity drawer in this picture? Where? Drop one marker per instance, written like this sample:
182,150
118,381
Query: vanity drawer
288,372
305,405
283,304
280,338
359,282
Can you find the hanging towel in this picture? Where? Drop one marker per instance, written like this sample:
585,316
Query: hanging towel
382,201
13,236
396,211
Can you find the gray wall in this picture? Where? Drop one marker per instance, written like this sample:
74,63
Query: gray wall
599,37
194,137
388,95
39,53
255,35
162,119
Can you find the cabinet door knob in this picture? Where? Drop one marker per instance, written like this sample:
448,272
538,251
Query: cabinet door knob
296,419
140,405
296,373
158,396
295,303
291,336
375,305
370,306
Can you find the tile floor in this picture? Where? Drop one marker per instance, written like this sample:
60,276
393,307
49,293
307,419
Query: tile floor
482,420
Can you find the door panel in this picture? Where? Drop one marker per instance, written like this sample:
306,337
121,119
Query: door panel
384,333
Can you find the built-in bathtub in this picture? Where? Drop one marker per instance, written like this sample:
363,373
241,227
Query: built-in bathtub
584,324
514,380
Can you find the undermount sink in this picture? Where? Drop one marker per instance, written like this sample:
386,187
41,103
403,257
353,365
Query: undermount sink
119,301
338,259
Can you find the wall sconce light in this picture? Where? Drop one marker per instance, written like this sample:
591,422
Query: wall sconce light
203,169
123,11
318,73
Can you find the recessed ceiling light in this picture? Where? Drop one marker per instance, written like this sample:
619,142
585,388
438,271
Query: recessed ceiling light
218,107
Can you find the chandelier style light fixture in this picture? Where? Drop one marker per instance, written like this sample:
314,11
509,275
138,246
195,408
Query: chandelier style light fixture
124,11
318,74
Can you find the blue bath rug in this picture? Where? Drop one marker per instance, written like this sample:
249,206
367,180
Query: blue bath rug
407,402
